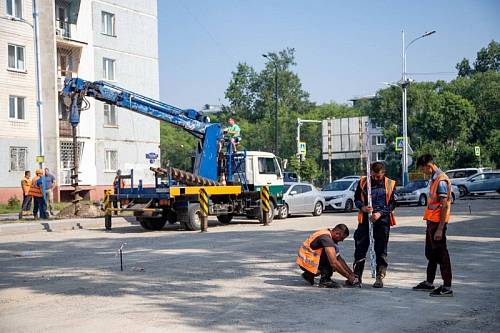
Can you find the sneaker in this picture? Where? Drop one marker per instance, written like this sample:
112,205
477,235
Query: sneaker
308,277
425,286
441,292
328,284
352,285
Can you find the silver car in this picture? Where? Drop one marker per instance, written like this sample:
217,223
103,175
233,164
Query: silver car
417,192
301,198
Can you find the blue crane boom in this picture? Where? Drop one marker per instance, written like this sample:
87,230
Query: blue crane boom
192,121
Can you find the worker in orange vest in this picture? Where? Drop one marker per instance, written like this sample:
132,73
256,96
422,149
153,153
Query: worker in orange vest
383,204
37,191
25,186
437,216
320,255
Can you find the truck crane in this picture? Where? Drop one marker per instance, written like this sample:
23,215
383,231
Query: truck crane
231,179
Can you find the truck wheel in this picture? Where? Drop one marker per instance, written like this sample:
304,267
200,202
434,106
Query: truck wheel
270,214
193,221
152,224
171,217
225,219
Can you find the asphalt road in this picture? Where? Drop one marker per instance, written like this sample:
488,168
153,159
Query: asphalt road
242,277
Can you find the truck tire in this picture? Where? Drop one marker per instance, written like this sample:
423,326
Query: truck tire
152,223
225,219
171,217
270,216
193,221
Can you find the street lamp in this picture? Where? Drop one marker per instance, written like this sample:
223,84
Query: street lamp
404,85
39,105
273,61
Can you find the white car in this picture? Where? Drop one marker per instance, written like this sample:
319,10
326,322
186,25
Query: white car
417,192
301,198
458,177
339,195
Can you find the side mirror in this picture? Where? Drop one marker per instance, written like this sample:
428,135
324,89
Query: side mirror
293,192
472,180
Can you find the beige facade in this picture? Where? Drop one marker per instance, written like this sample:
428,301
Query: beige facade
76,38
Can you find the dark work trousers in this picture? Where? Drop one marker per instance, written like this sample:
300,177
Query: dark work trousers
381,229
40,206
436,253
26,203
324,268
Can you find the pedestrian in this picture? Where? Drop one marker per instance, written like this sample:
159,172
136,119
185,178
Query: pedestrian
232,133
50,182
25,186
118,183
320,255
382,217
37,191
437,216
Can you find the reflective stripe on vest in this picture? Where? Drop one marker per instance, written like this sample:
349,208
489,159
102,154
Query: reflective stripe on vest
389,188
308,258
433,210
35,190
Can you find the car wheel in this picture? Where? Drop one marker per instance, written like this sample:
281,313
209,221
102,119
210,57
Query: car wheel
463,190
452,198
422,200
349,205
283,212
318,209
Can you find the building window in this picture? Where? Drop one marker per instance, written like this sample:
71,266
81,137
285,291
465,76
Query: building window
110,160
16,107
108,69
109,115
378,140
15,8
18,156
108,23
16,57
379,156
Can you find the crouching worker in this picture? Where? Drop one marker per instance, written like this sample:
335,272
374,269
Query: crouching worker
319,255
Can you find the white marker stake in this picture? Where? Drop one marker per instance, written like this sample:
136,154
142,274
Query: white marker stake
373,262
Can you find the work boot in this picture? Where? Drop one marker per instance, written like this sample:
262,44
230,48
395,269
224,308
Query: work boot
379,283
328,283
309,277
358,268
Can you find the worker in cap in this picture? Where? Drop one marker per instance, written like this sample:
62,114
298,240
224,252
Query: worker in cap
37,191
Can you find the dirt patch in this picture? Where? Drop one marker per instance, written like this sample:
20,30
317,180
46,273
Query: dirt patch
86,210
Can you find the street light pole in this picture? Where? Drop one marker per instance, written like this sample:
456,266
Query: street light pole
267,56
404,85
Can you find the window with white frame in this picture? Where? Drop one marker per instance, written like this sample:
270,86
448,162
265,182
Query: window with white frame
16,107
378,156
108,66
18,157
378,140
16,57
108,23
110,160
15,8
109,115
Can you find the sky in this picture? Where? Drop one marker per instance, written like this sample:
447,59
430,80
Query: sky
344,49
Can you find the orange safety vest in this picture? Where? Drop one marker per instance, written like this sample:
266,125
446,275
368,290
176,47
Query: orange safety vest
26,185
35,190
433,210
308,258
389,188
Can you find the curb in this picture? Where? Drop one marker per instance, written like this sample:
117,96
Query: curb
58,225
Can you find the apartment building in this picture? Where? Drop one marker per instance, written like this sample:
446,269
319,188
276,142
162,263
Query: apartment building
115,41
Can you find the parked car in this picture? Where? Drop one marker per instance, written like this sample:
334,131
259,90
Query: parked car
417,192
339,195
301,198
351,177
290,177
484,182
459,176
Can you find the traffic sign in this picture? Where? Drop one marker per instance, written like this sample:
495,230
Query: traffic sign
151,157
302,148
477,151
399,143
40,159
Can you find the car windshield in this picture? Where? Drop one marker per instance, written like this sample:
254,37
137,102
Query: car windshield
337,186
416,185
285,188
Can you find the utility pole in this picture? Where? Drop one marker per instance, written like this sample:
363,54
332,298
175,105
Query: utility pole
38,66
